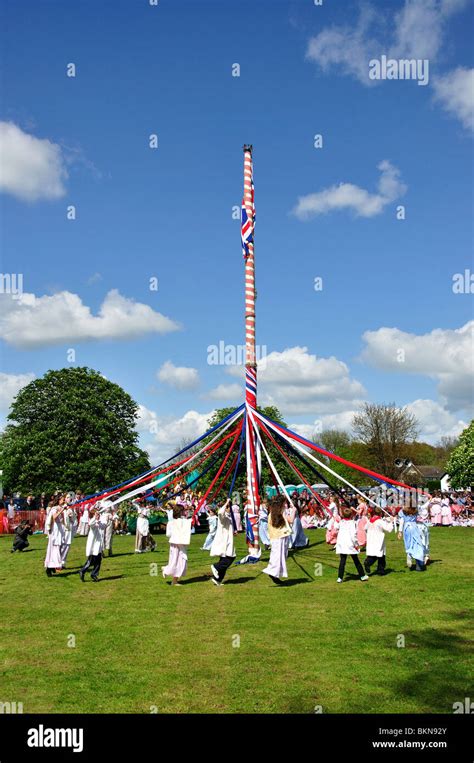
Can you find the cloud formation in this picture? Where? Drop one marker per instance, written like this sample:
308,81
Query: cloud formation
300,383
31,168
416,31
179,377
169,433
445,355
347,196
10,385
455,92
30,321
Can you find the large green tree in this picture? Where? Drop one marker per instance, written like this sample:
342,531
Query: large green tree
460,466
70,429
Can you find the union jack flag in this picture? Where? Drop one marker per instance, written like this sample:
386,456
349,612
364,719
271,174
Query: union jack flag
247,226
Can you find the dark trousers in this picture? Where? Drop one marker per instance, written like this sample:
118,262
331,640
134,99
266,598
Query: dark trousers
223,565
19,544
370,560
94,562
355,559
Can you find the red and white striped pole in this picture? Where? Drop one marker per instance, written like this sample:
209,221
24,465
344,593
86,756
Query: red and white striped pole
250,358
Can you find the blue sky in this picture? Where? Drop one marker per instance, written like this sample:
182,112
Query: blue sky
167,212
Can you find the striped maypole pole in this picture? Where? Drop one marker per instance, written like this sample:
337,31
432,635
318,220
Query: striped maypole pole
252,455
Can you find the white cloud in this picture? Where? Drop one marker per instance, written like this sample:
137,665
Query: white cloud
416,31
30,168
352,197
10,385
31,321
168,434
226,392
299,383
445,355
179,377
435,421
348,48
455,92
342,420
94,278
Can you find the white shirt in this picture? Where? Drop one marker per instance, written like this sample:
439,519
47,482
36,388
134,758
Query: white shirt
347,537
179,531
376,536
95,539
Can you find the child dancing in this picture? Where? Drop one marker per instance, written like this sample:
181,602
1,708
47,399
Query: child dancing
178,531
279,532
347,544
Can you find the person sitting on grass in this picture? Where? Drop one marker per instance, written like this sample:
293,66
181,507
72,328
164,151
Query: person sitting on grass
178,530
20,541
347,544
376,548
279,532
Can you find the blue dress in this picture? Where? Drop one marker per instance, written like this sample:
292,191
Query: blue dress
263,526
415,537
297,538
212,532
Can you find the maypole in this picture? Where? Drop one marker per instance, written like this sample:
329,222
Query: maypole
251,444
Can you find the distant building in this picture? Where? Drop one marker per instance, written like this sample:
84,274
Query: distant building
420,475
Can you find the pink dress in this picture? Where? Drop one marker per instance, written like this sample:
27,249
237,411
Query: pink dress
177,562
435,513
307,521
362,531
446,514
332,531
238,520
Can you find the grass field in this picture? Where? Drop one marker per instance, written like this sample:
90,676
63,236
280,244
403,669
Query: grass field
142,646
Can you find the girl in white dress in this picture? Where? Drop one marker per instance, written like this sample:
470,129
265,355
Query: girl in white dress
83,528
178,531
279,531
54,528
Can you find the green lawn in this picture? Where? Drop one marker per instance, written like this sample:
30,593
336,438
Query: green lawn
143,646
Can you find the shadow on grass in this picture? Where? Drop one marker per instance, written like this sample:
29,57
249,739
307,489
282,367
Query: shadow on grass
436,687
125,553
292,582
27,551
196,579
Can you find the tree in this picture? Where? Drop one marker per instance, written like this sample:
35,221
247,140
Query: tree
334,440
71,429
460,466
386,430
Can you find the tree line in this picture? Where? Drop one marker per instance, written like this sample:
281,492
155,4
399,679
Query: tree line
74,429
